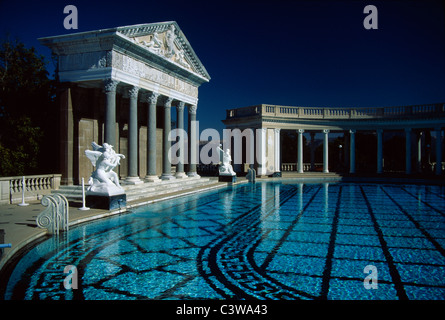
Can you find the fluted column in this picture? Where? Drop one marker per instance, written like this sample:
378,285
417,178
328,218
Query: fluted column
379,150
419,151
312,151
166,164
133,177
352,151
151,138
110,86
326,151
438,150
300,151
408,150
180,126
277,153
192,141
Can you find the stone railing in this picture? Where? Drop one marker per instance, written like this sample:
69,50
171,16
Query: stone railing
338,113
36,186
286,167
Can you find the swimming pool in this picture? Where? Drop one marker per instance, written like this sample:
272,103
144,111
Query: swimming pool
269,240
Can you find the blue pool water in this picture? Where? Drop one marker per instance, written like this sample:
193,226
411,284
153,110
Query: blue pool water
269,240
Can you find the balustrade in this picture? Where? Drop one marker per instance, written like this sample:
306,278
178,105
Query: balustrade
35,187
289,167
338,113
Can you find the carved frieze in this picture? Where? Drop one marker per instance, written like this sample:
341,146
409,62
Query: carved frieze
85,61
140,69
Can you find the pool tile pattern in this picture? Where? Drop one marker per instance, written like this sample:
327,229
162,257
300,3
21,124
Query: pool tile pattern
274,240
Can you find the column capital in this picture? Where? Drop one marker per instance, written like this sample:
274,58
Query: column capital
379,131
300,130
152,98
352,131
192,109
325,131
110,85
277,130
133,92
168,102
180,106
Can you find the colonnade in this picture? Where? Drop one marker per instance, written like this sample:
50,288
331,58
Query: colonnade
352,149
325,150
152,98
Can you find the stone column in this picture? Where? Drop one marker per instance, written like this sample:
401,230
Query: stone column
133,177
419,152
166,164
352,151
438,150
312,151
110,111
300,151
408,150
326,151
192,141
151,138
180,126
66,136
277,149
379,150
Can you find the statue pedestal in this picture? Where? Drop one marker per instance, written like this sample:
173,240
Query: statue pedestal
227,178
107,202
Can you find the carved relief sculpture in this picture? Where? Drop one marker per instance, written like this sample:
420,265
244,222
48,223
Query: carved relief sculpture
170,42
166,47
154,44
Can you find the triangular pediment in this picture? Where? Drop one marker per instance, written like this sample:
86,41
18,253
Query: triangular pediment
166,40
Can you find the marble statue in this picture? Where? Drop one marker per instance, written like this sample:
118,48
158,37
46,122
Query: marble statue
103,180
225,168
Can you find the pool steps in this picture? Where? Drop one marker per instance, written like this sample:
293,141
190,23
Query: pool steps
145,190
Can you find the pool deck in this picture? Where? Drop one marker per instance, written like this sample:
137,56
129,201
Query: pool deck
18,225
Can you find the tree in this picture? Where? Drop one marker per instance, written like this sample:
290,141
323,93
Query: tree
27,111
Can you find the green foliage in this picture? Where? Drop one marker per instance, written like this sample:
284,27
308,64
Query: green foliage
19,147
27,110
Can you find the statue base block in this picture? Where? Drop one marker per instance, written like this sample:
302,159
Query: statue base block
106,202
231,179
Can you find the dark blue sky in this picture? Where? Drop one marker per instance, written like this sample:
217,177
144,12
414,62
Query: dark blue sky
310,53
